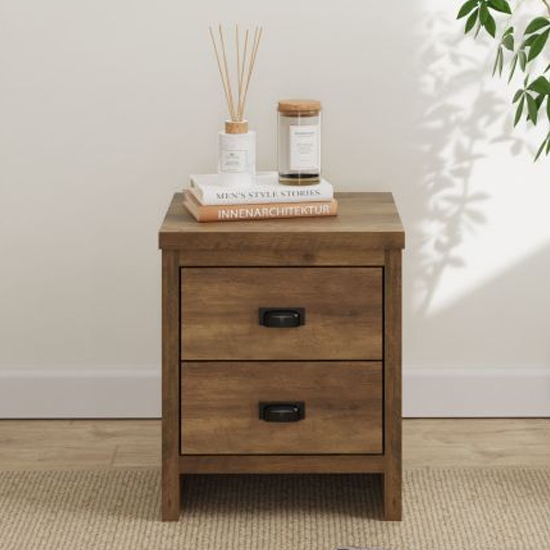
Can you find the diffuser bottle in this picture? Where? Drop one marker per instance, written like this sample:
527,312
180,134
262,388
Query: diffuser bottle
237,154
237,144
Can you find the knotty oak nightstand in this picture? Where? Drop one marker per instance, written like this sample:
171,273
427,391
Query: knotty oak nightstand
281,346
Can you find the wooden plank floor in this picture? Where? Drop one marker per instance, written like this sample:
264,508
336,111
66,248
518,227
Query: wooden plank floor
128,444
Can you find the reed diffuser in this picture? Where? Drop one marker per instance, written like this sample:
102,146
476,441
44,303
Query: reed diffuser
237,144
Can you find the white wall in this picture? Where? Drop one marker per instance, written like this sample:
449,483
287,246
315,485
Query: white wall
107,106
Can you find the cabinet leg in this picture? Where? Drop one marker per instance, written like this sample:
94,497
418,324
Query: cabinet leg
171,486
392,496
171,497
392,386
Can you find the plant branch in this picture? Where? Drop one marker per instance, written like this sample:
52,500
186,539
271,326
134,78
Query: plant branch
534,92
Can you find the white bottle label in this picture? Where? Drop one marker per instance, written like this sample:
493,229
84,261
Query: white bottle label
233,160
304,147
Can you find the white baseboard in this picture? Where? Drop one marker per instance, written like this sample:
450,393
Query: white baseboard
76,393
476,392
135,392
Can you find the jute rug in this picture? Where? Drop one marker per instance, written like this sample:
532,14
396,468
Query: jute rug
487,509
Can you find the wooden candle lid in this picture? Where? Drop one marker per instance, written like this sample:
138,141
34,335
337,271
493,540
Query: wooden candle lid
299,106
233,127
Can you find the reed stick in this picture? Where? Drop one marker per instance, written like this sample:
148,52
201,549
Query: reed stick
238,65
220,69
245,79
231,106
241,77
245,61
256,45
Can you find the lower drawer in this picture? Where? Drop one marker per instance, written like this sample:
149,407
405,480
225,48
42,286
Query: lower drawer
342,407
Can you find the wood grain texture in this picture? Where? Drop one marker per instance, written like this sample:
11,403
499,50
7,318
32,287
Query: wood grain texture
282,464
346,273
219,313
295,106
291,249
220,407
129,444
171,489
365,221
392,387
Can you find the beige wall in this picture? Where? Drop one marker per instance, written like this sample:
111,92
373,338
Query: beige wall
107,106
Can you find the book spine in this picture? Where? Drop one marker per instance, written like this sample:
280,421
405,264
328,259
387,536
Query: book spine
214,197
265,211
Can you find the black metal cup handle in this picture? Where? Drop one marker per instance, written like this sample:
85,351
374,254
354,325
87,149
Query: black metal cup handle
278,317
282,412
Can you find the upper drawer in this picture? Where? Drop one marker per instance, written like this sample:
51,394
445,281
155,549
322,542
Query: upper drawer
342,308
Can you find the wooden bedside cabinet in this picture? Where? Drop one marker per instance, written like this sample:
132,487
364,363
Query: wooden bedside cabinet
281,346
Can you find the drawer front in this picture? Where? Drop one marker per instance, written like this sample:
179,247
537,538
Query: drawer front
342,308
342,407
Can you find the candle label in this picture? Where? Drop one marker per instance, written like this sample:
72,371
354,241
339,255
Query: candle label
233,160
304,147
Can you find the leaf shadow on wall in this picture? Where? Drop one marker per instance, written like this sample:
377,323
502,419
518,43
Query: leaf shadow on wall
497,322
461,116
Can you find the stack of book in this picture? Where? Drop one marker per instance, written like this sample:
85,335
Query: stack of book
208,200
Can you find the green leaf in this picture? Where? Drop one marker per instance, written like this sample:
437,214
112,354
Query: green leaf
508,42
518,95
509,30
479,26
541,149
466,8
529,41
500,5
540,85
483,13
490,25
513,67
519,111
471,22
498,62
548,146
538,45
522,60
536,24
548,108
532,110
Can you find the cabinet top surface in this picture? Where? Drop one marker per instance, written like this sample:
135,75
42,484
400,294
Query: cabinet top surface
358,213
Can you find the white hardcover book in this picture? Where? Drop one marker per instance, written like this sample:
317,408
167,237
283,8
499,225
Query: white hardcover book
209,190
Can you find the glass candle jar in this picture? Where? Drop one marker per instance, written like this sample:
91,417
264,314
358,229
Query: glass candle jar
299,141
237,154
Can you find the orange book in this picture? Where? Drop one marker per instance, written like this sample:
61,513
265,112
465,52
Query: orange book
234,212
